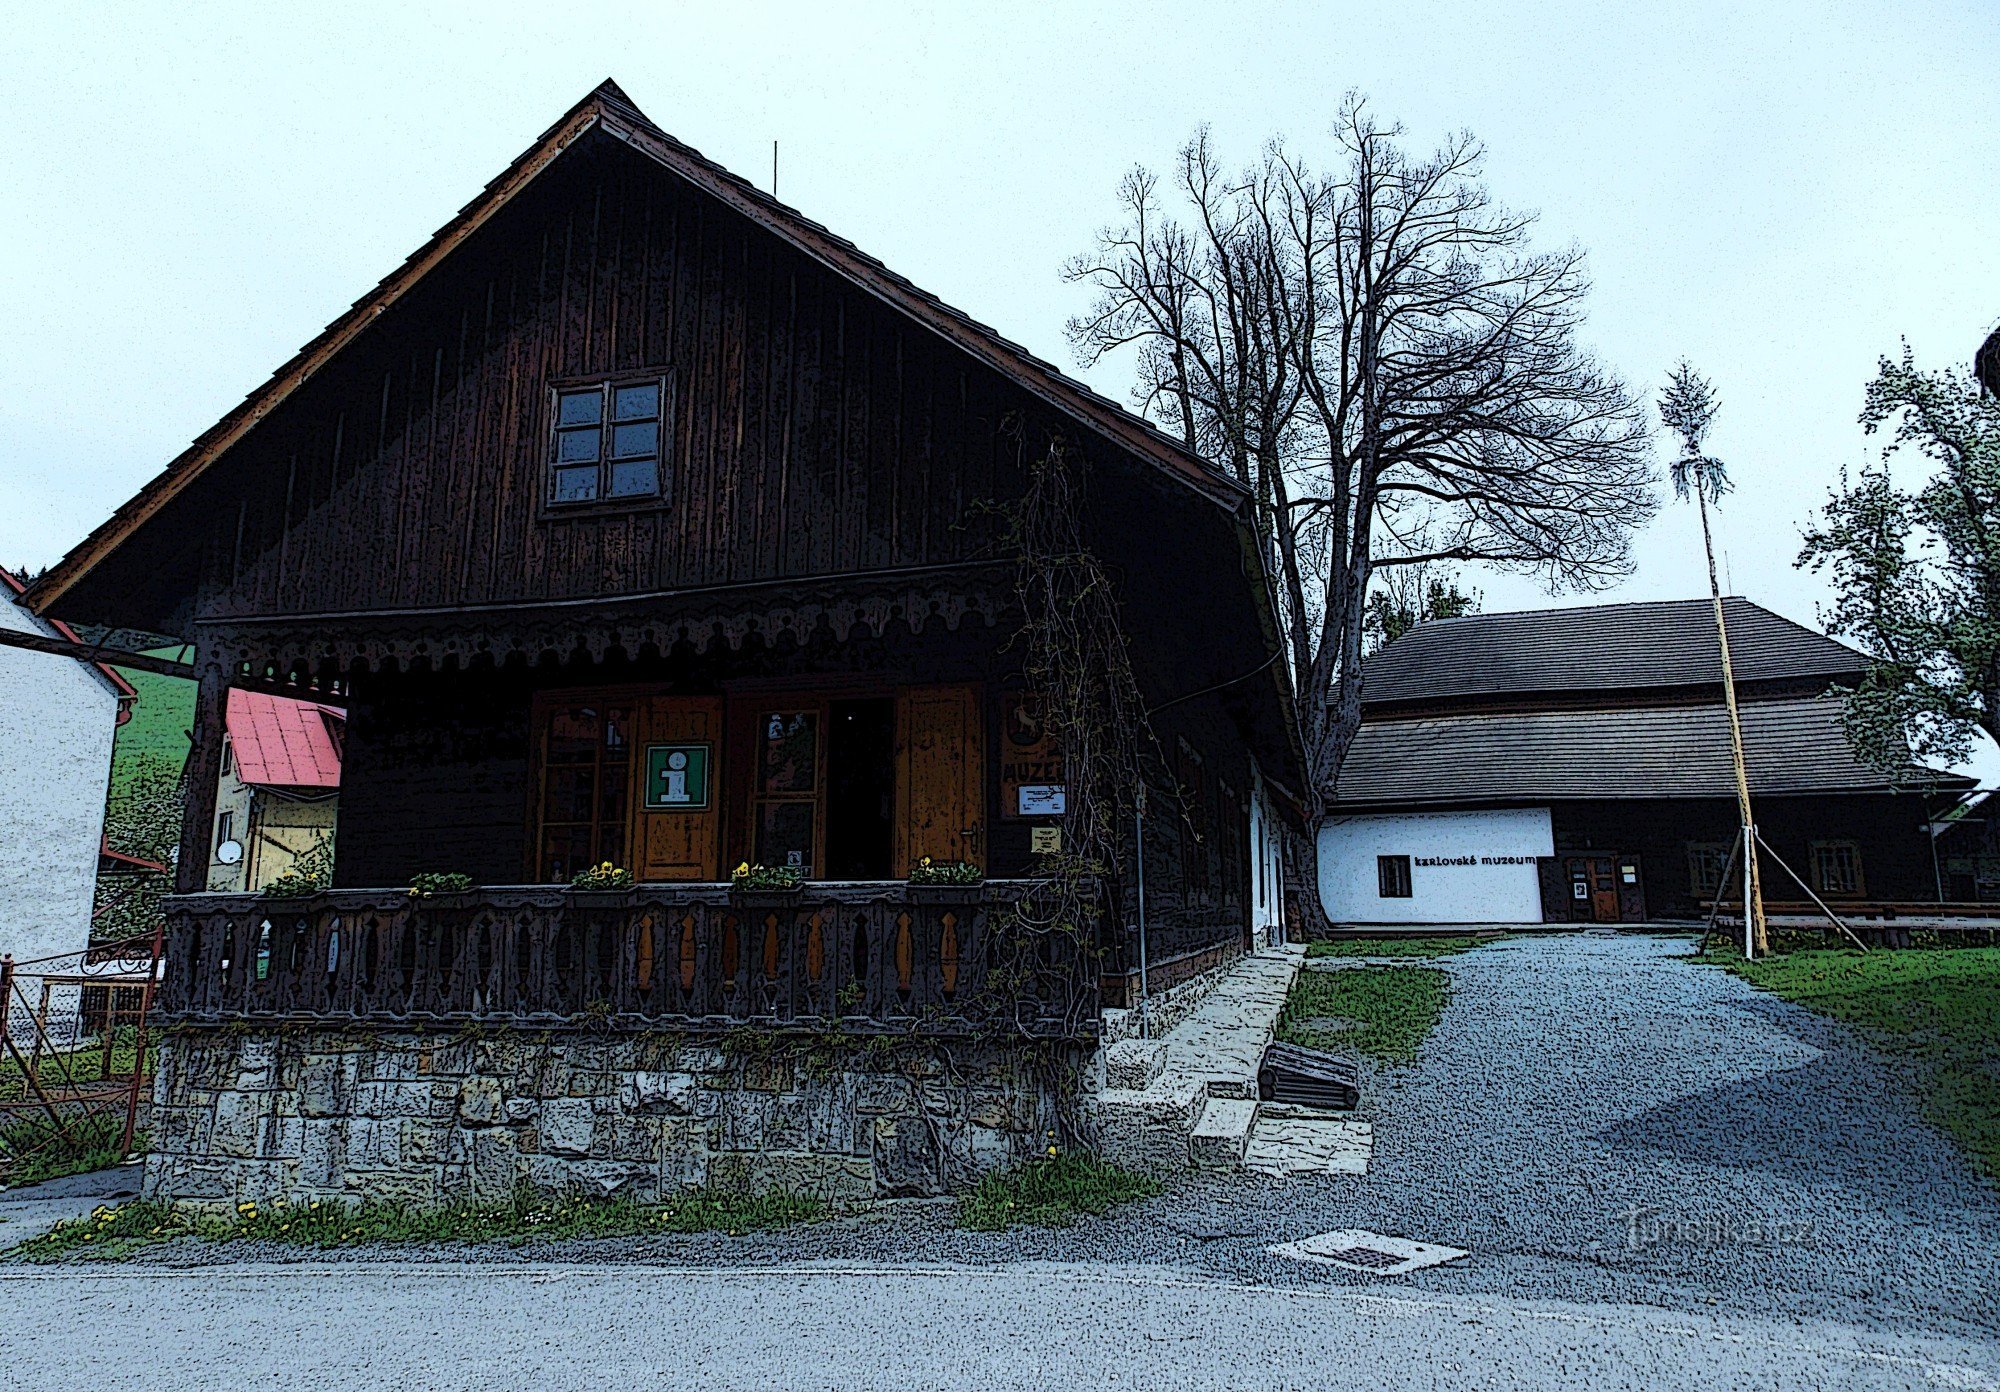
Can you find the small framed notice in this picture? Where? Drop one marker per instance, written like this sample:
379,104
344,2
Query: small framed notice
1045,840
677,777
1030,756
1041,800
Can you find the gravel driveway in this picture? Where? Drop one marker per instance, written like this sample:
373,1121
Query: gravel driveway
1775,1162
1780,1170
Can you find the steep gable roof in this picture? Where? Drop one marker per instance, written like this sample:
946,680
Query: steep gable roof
608,110
1600,648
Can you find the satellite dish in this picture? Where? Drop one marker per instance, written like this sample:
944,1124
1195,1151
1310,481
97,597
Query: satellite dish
229,852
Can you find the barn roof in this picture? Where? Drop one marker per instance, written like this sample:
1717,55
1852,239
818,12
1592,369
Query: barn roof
1600,648
608,110
279,742
1791,745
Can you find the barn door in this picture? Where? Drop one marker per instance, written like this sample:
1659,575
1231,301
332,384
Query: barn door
1631,890
940,776
1603,890
677,811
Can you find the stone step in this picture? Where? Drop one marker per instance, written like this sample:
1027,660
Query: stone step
1205,1067
1222,1134
1133,1063
1147,1128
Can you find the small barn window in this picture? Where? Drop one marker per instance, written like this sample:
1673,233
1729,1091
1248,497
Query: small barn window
605,444
1836,867
1392,875
1706,860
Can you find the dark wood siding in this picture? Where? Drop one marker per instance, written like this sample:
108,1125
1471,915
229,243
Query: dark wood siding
435,777
1889,830
814,431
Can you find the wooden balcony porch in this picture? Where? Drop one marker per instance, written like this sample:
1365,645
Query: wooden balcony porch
875,957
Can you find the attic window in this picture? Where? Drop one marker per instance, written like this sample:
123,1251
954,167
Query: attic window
605,443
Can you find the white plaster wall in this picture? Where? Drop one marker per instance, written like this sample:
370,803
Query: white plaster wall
1479,892
1267,866
57,717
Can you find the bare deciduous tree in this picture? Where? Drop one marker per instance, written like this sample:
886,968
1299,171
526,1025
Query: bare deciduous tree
1379,355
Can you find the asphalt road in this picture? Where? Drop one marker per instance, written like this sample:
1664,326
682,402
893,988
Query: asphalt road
1664,1179
411,1327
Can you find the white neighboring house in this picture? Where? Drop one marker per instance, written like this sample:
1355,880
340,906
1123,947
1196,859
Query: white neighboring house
1435,867
57,719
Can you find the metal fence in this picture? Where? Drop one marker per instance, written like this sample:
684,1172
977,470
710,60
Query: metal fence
75,1055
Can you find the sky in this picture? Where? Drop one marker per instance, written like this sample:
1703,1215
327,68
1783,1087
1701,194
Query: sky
1780,193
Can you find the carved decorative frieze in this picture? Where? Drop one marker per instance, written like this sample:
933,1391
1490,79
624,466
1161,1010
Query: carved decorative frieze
308,648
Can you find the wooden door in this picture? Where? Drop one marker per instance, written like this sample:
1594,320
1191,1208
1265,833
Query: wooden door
677,793
1603,890
940,776
1631,890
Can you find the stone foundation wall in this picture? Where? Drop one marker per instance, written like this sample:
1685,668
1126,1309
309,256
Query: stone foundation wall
313,1113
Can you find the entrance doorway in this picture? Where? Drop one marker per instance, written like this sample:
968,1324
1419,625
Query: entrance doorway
861,789
1601,889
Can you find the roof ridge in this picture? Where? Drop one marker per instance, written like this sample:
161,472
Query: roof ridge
1590,608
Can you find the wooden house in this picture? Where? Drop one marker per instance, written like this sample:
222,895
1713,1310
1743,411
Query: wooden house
637,518
1573,766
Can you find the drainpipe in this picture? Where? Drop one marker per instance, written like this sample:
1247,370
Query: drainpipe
1139,857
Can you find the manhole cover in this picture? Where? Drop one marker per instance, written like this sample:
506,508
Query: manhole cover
1378,1254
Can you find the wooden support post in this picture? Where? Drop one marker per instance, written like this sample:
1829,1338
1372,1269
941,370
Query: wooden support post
1756,939
204,766
1721,883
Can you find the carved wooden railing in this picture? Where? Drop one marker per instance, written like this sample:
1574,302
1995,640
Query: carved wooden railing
870,957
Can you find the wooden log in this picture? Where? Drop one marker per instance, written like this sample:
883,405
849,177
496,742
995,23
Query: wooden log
1308,1078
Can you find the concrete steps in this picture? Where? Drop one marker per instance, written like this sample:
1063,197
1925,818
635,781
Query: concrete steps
1221,1135
1190,1097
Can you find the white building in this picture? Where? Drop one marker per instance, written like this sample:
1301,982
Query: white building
1574,766
1435,867
57,718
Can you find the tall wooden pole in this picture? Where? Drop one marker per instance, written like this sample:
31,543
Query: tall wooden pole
1756,936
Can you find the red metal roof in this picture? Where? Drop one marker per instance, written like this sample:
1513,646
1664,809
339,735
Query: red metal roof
284,743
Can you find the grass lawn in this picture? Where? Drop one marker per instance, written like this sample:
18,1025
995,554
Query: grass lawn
1443,946
1050,1192
1391,1009
161,717
1940,1004
113,1233
30,1152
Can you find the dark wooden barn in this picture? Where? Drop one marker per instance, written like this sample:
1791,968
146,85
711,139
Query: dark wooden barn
1573,765
636,518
